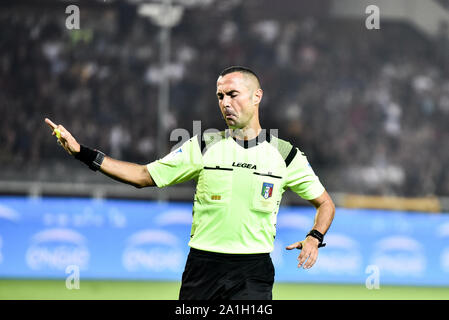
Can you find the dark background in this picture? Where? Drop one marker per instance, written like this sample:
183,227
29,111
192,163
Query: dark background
368,107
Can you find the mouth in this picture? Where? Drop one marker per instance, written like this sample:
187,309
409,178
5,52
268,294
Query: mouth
229,115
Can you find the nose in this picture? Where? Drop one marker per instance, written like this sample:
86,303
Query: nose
226,102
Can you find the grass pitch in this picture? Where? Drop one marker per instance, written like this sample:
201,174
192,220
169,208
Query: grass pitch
14,289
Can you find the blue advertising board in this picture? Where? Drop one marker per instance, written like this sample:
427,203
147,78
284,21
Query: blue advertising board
129,239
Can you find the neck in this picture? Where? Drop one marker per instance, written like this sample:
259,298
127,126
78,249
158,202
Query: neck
246,133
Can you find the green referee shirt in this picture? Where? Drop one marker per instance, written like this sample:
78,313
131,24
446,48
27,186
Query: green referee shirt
239,188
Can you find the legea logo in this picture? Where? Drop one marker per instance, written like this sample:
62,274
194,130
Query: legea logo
56,249
400,256
342,256
153,250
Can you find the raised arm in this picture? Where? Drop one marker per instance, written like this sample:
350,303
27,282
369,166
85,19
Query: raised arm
131,173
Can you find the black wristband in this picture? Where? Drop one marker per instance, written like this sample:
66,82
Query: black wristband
92,158
317,235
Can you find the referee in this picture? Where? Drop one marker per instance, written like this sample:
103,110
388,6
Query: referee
241,174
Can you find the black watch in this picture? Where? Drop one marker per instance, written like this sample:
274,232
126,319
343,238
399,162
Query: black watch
317,235
96,164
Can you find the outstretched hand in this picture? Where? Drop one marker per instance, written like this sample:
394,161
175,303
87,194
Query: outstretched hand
65,139
309,252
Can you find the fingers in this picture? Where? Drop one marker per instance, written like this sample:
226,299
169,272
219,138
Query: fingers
309,259
62,132
58,130
65,139
54,128
308,255
51,124
296,245
64,144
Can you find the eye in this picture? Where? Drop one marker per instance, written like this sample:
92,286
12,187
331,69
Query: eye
233,93
220,96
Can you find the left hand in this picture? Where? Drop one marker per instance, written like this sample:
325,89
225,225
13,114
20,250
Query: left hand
309,251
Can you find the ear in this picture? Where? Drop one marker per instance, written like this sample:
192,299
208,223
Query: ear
257,96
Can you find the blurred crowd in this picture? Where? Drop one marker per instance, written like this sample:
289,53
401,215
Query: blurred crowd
370,108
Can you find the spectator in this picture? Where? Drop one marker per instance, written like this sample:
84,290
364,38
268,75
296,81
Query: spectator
385,102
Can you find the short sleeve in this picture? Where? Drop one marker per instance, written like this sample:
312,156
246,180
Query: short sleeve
301,178
180,165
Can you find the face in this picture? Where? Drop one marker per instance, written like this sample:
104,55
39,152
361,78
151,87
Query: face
238,98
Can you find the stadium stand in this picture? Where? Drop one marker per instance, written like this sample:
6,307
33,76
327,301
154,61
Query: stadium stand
369,108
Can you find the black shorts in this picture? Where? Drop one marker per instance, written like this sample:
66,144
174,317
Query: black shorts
220,276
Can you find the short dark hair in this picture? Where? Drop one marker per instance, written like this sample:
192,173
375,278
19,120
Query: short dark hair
240,69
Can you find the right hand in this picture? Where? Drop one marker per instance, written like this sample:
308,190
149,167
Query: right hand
67,141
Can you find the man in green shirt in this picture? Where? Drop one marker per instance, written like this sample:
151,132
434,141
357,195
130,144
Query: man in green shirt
241,174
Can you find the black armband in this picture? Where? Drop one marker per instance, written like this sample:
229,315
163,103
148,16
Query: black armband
92,158
317,235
